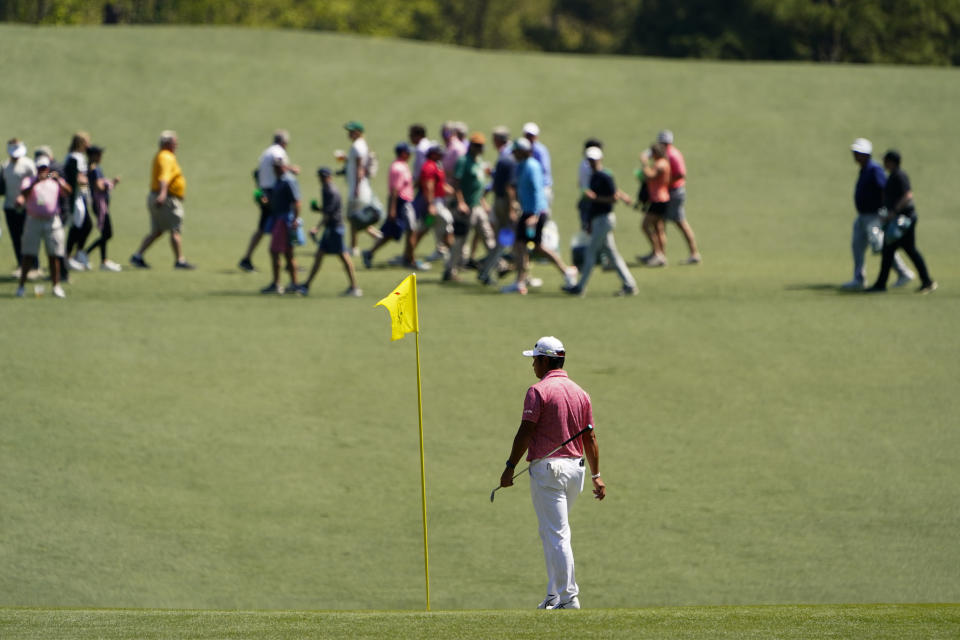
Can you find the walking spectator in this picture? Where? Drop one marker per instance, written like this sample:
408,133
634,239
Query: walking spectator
531,131
359,192
431,202
40,197
603,195
265,178
676,212
15,168
656,172
165,202
100,189
80,225
333,240
417,134
401,219
901,225
285,211
534,207
867,227
473,211
506,210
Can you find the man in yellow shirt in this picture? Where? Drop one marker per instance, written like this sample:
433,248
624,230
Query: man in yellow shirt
165,202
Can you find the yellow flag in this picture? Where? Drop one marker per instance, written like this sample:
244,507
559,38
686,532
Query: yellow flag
402,305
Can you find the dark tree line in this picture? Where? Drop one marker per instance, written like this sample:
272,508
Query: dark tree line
887,31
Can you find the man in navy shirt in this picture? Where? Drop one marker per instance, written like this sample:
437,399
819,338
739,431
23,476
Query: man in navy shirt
867,229
284,219
901,225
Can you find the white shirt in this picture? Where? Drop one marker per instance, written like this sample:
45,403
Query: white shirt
420,157
14,171
356,158
266,177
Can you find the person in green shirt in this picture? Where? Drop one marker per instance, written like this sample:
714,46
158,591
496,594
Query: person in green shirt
473,211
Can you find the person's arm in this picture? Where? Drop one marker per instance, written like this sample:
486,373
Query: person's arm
521,442
902,202
623,197
429,191
591,451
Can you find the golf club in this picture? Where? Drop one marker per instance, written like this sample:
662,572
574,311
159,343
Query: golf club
589,427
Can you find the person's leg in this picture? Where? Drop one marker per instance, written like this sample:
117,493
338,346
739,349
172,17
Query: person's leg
85,228
598,228
885,263
687,231
317,261
275,268
648,226
252,246
148,240
349,268
859,239
54,261
26,263
610,247
291,266
176,244
909,245
15,227
661,232
555,484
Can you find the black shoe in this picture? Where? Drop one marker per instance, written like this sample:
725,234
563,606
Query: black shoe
930,287
183,264
139,262
246,265
575,290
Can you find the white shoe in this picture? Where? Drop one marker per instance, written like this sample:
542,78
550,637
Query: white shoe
656,261
352,292
58,292
83,259
570,276
75,265
853,284
536,283
572,603
549,602
906,278
110,265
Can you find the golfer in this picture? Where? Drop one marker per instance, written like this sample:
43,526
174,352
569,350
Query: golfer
555,409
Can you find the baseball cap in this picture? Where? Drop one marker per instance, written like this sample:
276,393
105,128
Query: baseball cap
42,161
522,144
862,145
501,132
531,128
547,346
478,138
324,172
665,137
593,153
401,147
353,125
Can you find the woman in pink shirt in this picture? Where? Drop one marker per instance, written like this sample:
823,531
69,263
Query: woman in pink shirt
657,175
401,218
40,196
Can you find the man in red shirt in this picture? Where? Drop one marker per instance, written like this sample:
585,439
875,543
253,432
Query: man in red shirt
555,408
430,202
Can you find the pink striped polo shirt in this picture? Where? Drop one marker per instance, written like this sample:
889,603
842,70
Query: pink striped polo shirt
560,408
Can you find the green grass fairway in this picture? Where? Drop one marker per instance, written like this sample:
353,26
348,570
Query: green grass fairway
178,441
903,622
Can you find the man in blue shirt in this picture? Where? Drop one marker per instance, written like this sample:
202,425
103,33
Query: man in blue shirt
867,228
531,131
285,213
533,217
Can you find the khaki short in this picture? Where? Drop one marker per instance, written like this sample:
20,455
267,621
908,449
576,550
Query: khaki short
167,216
501,212
50,231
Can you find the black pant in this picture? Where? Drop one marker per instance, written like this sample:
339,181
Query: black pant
907,242
77,237
105,234
15,221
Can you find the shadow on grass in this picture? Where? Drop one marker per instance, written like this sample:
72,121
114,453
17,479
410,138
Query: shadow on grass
825,288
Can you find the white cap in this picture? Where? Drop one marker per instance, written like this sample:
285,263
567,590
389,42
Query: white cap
42,161
862,145
665,137
523,144
531,129
17,150
593,153
547,346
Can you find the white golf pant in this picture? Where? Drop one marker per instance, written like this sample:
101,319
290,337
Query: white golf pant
555,484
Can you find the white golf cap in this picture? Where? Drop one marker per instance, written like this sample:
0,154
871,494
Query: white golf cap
531,129
665,137
593,153
862,145
42,161
547,346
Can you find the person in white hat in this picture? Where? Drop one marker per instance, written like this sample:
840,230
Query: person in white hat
867,227
554,410
531,131
603,194
15,168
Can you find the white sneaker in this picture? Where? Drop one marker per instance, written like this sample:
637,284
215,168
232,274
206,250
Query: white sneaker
110,265
572,603
352,292
549,602
853,284
75,265
58,292
656,261
536,283
83,259
906,278
570,276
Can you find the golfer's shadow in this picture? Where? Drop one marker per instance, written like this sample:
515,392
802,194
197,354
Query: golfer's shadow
823,287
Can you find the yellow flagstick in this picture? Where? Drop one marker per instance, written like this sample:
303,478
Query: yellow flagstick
423,471
401,303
